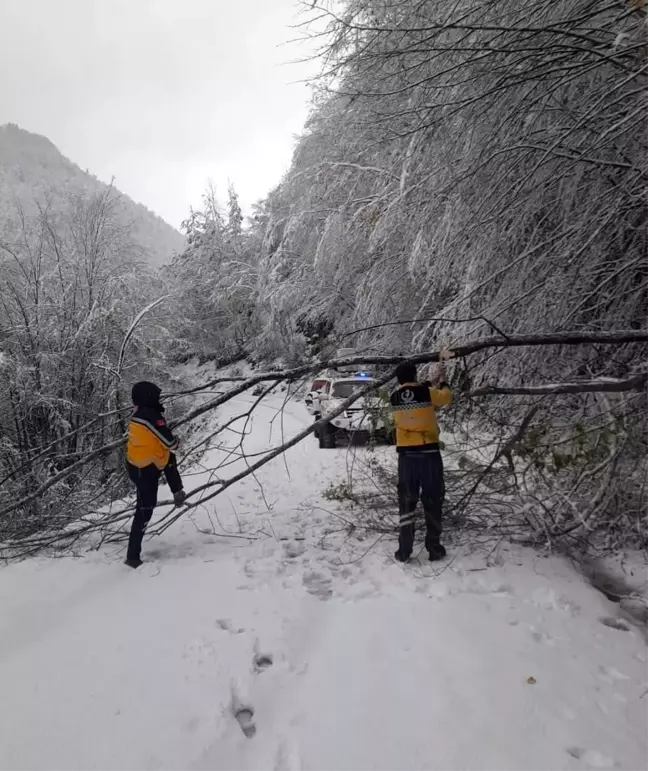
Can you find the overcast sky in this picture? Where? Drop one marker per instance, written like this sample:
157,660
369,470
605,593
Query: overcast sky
161,94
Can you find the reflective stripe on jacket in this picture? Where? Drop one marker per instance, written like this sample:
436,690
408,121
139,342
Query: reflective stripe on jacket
415,417
150,440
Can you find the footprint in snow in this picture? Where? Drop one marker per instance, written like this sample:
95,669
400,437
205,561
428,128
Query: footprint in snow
243,713
592,758
615,623
484,586
262,661
245,718
318,585
293,550
548,599
611,674
226,625
541,637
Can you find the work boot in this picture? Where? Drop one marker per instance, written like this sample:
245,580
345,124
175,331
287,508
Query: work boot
133,563
437,552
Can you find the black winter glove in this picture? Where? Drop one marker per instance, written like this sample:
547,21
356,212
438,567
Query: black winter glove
179,498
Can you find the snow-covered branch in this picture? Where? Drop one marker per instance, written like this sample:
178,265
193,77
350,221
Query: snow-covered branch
605,385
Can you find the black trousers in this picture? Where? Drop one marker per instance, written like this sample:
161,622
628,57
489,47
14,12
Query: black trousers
420,475
146,481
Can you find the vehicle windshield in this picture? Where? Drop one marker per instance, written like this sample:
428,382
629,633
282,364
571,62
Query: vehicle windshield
346,388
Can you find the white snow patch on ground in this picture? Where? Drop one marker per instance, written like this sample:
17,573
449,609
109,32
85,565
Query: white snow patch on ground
329,663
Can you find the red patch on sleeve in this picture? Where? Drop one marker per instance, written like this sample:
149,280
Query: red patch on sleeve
160,423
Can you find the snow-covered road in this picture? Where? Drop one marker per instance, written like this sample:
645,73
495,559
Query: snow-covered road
344,665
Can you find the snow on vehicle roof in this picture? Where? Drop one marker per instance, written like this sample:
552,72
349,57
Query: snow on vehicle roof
338,378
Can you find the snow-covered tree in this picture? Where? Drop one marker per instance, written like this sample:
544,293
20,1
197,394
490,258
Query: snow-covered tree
215,282
70,284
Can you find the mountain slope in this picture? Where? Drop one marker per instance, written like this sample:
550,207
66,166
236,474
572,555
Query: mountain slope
33,170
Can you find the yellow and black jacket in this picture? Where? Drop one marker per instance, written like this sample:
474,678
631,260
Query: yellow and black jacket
150,440
415,417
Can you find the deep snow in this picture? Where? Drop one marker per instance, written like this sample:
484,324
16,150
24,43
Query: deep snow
346,663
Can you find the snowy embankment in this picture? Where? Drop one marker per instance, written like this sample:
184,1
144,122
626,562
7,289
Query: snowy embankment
330,661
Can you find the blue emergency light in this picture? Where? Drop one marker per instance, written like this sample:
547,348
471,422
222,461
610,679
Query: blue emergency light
362,374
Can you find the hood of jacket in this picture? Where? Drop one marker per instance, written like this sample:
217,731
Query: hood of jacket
145,394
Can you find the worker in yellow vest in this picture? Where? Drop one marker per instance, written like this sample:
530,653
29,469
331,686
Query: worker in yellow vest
149,453
420,468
